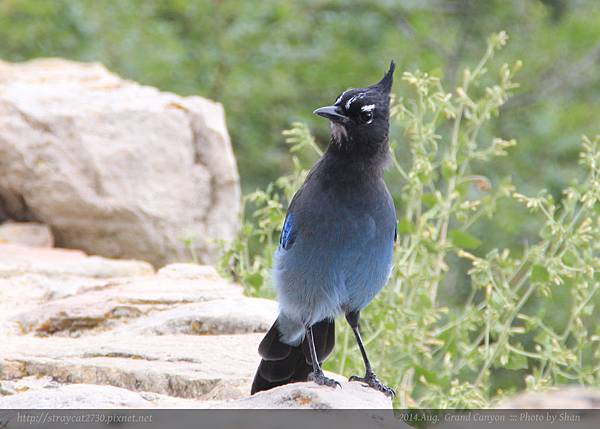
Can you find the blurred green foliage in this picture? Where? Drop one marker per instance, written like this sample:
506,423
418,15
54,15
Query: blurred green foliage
272,62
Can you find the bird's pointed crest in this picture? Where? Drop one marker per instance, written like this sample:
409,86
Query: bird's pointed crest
385,84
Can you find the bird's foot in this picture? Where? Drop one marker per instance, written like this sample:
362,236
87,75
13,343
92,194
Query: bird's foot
372,381
319,378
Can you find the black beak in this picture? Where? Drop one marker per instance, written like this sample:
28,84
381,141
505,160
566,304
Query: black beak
333,113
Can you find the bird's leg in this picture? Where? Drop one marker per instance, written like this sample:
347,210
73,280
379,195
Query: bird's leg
370,378
317,375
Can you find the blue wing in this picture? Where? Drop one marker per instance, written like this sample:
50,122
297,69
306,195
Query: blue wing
288,234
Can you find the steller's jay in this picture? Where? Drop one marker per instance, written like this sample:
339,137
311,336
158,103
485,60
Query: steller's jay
335,250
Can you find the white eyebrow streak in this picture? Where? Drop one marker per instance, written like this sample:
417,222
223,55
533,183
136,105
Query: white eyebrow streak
356,97
341,96
367,108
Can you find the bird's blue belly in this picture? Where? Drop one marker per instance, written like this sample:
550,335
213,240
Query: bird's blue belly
335,268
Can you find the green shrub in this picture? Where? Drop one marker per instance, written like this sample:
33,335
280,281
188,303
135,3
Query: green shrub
460,323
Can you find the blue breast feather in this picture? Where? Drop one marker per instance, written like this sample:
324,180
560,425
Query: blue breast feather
287,234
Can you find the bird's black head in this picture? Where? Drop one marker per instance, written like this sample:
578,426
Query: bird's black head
360,118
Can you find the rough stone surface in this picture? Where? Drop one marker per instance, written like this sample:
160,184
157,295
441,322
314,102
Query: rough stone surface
33,278
309,395
201,367
92,396
58,293
217,317
16,259
113,167
27,234
75,396
86,332
11,387
109,304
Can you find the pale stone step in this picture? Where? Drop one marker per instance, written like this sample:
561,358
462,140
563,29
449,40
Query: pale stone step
102,304
217,317
118,301
16,260
200,367
309,395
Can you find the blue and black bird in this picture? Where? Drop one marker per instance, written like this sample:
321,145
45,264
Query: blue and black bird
335,250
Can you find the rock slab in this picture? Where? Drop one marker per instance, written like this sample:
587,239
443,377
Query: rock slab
88,332
194,367
310,396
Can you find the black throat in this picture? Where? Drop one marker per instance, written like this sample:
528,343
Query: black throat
357,154
343,168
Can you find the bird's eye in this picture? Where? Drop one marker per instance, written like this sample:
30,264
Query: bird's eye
366,117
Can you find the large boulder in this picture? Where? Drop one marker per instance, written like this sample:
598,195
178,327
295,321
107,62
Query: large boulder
115,168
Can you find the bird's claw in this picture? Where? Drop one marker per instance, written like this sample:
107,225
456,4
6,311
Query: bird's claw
321,380
371,380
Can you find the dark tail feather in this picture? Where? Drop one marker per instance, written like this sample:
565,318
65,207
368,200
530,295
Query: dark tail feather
282,364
